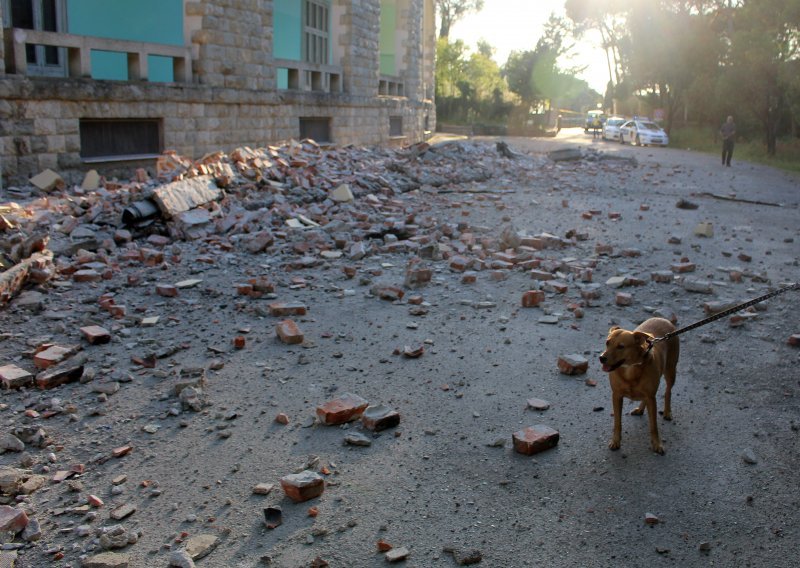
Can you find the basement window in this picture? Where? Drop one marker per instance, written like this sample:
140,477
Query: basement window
395,126
317,129
108,140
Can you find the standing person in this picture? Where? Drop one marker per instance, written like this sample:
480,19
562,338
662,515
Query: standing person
728,133
558,124
596,127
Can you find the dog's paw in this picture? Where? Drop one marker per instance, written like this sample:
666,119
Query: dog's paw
614,445
667,415
637,411
659,449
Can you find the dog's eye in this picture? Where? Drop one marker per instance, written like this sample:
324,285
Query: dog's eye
620,346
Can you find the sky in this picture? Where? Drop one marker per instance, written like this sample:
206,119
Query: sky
510,25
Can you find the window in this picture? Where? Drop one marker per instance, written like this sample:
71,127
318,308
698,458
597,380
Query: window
395,126
317,129
106,140
316,32
42,15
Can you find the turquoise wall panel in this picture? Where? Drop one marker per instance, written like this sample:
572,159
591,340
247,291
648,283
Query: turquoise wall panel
154,21
287,35
388,37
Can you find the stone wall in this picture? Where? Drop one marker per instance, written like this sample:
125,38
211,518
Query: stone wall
233,101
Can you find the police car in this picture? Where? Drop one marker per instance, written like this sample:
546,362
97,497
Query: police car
643,132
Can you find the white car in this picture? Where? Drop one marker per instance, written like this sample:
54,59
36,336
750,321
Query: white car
643,133
611,128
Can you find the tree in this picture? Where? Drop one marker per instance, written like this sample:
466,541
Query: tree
450,11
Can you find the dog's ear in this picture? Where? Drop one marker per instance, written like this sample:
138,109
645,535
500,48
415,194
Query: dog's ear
641,338
614,328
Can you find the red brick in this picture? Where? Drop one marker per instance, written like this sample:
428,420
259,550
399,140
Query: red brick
117,311
623,299
121,451
288,332
415,300
662,276
573,364
556,286
349,271
303,486
56,375
682,267
159,241
535,439
346,408
12,519
283,309
469,277
460,263
239,342
603,249
13,377
735,276
96,335
541,275
587,215
166,290
244,289
389,293
794,340
282,418
87,275
52,356
532,298
591,293
614,215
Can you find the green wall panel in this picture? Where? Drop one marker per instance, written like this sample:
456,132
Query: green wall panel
388,37
154,21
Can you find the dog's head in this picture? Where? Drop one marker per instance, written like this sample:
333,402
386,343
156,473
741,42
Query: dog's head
624,348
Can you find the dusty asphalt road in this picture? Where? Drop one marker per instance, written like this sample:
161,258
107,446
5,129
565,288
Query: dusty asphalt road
441,482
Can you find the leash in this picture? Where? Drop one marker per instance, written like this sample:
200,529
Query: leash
720,315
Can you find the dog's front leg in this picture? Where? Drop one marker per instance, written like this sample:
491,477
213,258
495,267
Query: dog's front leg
616,436
652,415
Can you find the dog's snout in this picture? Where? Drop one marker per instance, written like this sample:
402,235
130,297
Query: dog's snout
603,358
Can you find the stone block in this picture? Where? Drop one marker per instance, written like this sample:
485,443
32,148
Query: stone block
573,364
12,519
13,377
47,181
107,560
623,299
380,417
535,439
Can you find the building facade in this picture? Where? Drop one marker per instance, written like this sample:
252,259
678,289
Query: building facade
93,83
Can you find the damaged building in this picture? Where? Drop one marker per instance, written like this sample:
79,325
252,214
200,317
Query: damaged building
105,85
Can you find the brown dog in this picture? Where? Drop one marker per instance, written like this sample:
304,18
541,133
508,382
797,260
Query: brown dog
635,373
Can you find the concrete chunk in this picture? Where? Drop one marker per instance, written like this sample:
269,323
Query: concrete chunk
177,197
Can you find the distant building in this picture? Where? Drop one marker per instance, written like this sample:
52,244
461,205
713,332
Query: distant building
102,83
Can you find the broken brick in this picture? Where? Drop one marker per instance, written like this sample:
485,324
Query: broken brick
416,277
239,342
573,364
300,487
541,275
744,257
282,418
662,276
603,249
794,340
532,298
535,439
56,375
96,335
460,263
121,451
288,332
469,277
340,410
389,293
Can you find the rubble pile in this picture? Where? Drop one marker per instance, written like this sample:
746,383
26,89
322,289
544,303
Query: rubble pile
150,288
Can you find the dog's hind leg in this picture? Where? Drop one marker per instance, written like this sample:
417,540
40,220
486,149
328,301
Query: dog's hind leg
639,410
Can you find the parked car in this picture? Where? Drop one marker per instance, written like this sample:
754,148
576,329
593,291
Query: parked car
611,128
591,117
643,133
